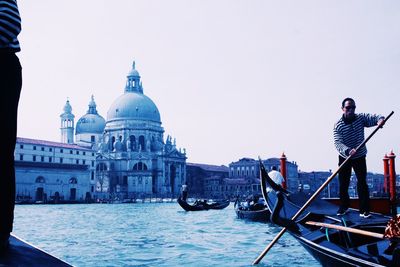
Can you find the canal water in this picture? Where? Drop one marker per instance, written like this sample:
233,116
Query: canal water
153,234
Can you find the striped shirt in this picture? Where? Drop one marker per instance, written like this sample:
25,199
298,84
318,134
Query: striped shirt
351,134
10,25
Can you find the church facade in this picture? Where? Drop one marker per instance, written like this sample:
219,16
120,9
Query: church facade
124,156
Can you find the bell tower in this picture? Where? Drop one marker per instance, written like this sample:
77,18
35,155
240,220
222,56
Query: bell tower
67,124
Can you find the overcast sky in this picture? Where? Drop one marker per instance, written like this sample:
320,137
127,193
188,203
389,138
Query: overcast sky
231,79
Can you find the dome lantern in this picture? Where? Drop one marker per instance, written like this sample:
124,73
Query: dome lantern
133,83
92,106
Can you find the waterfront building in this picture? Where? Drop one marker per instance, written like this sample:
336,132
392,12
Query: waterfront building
240,178
205,180
53,172
122,157
309,182
248,169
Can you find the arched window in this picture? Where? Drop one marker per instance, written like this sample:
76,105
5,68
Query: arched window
132,139
140,166
73,180
101,167
112,143
40,180
141,143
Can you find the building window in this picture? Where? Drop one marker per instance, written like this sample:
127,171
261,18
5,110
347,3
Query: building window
21,157
41,158
92,176
21,146
77,152
40,180
51,149
34,147
93,154
73,180
61,150
92,139
34,158
42,148
77,161
61,160
140,166
50,159
70,152
92,163
83,162
84,153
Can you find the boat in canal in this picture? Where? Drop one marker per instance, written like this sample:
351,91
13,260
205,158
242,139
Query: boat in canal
253,211
348,240
203,205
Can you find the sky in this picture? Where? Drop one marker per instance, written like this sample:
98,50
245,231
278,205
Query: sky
231,78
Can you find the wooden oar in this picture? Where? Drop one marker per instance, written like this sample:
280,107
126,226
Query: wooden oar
311,199
347,229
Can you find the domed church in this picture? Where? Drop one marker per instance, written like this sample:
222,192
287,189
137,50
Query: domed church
132,158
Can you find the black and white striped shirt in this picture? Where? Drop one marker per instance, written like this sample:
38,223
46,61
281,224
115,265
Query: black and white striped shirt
349,135
10,25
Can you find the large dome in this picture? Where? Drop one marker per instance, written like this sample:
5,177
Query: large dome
91,122
133,105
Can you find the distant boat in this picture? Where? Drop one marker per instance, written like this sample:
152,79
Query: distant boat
348,240
257,212
203,205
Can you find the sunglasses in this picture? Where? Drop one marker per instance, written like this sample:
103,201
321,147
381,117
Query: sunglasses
350,107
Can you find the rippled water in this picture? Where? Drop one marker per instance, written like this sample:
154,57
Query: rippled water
153,234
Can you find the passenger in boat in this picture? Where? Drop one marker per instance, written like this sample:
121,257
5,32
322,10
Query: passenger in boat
10,89
348,134
257,203
276,177
184,191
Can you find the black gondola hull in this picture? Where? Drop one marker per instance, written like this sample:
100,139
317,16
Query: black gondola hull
261,215
213,206
332,257
332,247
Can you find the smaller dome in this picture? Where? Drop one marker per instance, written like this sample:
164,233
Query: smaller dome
91,122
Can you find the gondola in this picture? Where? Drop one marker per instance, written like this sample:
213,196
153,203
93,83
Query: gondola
254,212
202,205
348,240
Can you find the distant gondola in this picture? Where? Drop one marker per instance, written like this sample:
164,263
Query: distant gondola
202,205
254,212
331,246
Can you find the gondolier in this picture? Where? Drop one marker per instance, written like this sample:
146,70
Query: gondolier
348,133
10,89
184,191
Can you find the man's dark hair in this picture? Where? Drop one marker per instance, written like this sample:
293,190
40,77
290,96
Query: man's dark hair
274,168
347,99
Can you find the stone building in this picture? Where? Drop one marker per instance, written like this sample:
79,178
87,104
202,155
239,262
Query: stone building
124,156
